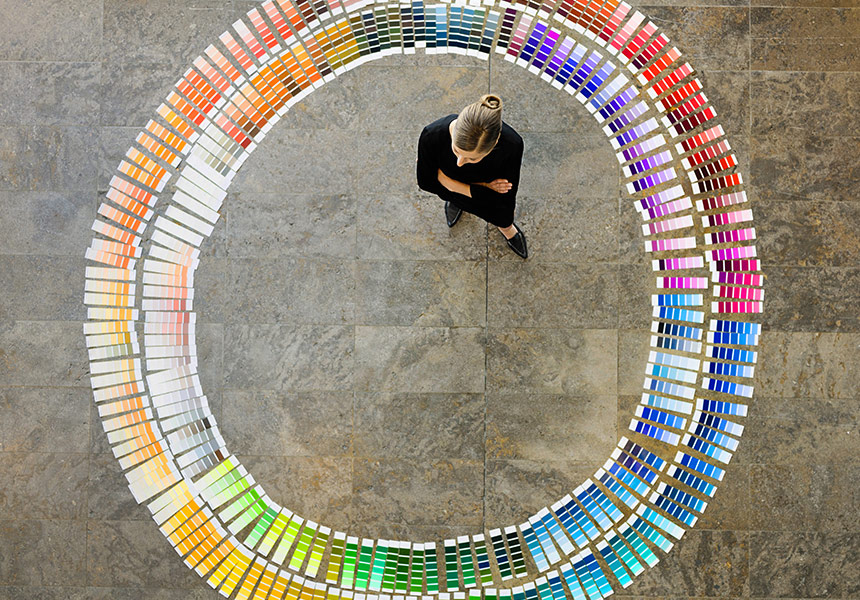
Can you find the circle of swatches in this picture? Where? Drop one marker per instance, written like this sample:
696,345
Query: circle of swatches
682,178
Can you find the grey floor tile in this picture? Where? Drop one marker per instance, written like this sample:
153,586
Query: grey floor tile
43,552
552,295
44,593
282,224
807,234
335,183
516,489
381,163
277,423
160,30
728,92
792,101
288,357
633,350
569,165
812,365
419,359
625,408
798,22
631,249
210,356
552,361
792,431
412,227
711,37
120,554
211,290
804,54
114,143
812,299
98,442
42,287
45,419
317,488
132,91
108,496
564,229
43,353
636,285
421,426
43,486
816,3
418,492
40,158
697,3
804,497
44,30
311,161
421,293
46,223
545,428
702,563
54,93
796,165
291,290
729,508
161,593
806,38
790,564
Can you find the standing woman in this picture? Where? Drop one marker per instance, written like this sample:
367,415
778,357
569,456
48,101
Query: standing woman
472,161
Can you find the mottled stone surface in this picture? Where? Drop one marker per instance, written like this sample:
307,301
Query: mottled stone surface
517,427
804,38
562,228
290,357
421,492
516,487
42,287
43,485
804,565
385,375
280,223
704,564
552,295
420,359
419,426
288,424
30,424
551,361
47,31
421,293
712,37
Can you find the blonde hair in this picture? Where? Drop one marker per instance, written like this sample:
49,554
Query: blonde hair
479,125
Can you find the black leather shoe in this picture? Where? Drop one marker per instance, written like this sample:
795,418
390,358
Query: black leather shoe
452,214
518,244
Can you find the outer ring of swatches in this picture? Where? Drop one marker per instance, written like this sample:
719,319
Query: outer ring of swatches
594,541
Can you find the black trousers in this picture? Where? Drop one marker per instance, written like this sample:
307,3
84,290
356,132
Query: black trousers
500,214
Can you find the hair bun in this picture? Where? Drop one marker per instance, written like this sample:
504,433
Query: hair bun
491,101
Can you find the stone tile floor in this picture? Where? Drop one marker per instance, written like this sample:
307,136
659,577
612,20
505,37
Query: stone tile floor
453,387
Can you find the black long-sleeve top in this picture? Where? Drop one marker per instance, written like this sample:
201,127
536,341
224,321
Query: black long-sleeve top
503,162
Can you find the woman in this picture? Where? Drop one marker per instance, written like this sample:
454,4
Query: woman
472,161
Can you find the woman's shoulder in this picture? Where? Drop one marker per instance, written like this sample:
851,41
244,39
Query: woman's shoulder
511,137
440,125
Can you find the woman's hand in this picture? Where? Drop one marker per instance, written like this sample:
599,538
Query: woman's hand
501,186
